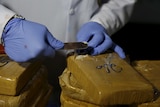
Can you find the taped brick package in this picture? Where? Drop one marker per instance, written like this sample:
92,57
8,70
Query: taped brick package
14,76
107,80
71,88
150,69
36,88
23,84
69,102
74,96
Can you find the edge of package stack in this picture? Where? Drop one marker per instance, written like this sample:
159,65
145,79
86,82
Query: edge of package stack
150,70
23,84
105,80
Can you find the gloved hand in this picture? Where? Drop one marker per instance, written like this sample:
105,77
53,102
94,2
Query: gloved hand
98,39
25,40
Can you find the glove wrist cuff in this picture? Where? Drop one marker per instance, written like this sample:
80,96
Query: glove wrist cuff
14,16
17,16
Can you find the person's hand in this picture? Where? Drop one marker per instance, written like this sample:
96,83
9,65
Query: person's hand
25,40
98,39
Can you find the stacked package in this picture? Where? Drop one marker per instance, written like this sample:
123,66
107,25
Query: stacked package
102,81
23,84
150,70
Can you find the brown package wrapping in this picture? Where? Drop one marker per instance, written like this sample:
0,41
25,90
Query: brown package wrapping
150,69
37,85
69,102
72,89
109,80
14,76
73,95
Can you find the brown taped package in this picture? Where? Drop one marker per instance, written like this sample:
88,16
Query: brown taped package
73,95
150,69
14,76
72,89
69,102
109,80
37,85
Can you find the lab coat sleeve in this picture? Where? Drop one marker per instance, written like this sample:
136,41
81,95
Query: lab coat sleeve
114,14
5,15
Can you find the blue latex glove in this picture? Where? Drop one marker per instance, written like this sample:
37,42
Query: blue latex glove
25,40
98,39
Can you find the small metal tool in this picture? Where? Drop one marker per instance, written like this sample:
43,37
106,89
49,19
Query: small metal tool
75,45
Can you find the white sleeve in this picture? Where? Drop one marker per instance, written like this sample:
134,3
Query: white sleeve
5,16
114,14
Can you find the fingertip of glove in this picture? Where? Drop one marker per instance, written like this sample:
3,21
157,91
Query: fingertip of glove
123,56
93,52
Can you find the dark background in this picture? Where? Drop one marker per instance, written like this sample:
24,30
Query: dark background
140,36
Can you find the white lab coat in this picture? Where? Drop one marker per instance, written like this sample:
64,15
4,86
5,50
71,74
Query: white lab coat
63,18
